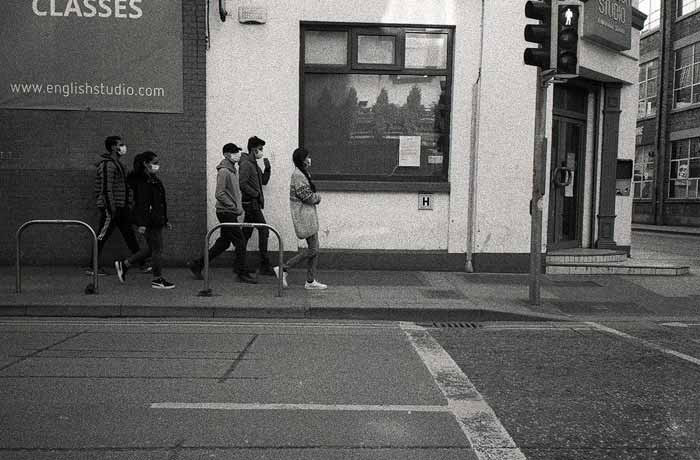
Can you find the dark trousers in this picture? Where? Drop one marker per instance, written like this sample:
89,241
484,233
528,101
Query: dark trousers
153,249
253,214
121,220
228,236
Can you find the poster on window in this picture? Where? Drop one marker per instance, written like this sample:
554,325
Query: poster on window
409,151
105,55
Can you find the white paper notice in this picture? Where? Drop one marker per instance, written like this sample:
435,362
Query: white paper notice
409,151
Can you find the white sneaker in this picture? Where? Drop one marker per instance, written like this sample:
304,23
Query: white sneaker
315,285
284,276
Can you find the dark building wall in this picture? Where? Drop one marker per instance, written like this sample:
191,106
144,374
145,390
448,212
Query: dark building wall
47,165
650,43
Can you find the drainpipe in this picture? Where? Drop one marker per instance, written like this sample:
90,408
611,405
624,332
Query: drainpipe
597,123
665,63
473,159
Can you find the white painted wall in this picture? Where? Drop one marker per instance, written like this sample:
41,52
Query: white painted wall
253,89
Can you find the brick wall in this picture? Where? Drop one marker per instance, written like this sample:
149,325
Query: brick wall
47,165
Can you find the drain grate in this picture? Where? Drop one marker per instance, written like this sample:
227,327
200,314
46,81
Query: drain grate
456,324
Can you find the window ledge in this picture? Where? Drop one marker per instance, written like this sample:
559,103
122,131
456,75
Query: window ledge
693,106
647,118
379,186
687,15
649,32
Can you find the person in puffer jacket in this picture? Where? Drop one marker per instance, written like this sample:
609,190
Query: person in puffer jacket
150,215
302,203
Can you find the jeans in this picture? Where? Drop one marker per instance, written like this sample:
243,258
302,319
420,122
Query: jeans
154,250
228,236
253,214
310,254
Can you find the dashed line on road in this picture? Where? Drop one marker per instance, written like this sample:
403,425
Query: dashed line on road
484,431
646,343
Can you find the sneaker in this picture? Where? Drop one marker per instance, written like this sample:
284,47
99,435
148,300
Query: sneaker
276,270
100,271
196,269
315,286
161,283
121,270
266,270
146,269
246,278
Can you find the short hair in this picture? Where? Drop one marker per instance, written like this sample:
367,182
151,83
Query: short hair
231,148
255,142
112,141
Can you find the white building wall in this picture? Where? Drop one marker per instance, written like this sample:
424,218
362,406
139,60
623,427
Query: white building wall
253,89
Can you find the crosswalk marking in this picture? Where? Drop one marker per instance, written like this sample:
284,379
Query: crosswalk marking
487,436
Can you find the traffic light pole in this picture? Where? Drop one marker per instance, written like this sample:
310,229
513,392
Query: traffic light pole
538,184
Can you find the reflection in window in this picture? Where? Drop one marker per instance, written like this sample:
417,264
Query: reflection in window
647,89
325,47
376,49
686,81
684,168
644,166
355,124
426,51
686,6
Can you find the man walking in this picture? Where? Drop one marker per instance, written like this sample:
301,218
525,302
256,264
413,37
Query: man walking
228,208
252,179
113,197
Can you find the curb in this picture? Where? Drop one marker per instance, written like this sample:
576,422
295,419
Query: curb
664,231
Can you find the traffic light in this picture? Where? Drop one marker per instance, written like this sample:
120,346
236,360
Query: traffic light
539,33
567,40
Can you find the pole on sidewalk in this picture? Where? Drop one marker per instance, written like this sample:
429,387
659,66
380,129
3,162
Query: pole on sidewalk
538,186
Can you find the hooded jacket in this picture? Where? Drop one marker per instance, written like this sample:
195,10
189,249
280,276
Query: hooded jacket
228,192
111,190
150,207
252,179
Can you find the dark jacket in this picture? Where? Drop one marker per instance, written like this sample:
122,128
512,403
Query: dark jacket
228,193
111,190
150,208
252,179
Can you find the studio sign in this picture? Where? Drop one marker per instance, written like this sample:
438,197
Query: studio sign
120,9
609,22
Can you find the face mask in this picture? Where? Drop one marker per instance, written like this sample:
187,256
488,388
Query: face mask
308,161
236,157
122,150
155,168
258,154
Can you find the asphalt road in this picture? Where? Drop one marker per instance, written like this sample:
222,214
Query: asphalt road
167,389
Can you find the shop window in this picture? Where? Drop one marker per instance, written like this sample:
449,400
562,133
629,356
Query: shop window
326,47
686,6
384,114
686,82
684,170
647,89
652,8
644,166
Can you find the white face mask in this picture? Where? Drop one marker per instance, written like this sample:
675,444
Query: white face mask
308,161
121,150
258,154
155,168
235,157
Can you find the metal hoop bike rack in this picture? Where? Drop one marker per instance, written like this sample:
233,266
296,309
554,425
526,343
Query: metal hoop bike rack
207,290
91,289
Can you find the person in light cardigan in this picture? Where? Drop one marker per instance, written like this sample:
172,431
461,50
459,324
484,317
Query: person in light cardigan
302,203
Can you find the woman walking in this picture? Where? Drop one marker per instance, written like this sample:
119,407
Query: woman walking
302,202
150,215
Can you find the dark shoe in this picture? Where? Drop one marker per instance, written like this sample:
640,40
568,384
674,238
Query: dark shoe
121,270
196,269
161,283
266,270
245,278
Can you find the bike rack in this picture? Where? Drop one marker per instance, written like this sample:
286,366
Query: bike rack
206,292
90,289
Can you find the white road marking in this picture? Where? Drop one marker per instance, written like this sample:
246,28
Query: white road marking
478,422
318,407
646,343
219,323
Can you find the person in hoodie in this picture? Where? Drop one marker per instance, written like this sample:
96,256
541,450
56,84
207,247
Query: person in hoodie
252,179
113,198
150,215
228,208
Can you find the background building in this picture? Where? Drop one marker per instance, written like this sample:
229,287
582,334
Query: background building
667,157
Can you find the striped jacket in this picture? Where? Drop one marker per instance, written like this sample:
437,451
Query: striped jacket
111,189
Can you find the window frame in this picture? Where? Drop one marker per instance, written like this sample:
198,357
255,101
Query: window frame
369,182
648,25
679,11
687,160
646,81
676,70
639,184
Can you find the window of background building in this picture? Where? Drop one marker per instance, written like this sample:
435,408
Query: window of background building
652,8
686,6
684,171
686,82
375,102
643,171
647,89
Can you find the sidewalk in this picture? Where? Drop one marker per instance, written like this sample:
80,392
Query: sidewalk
376,295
